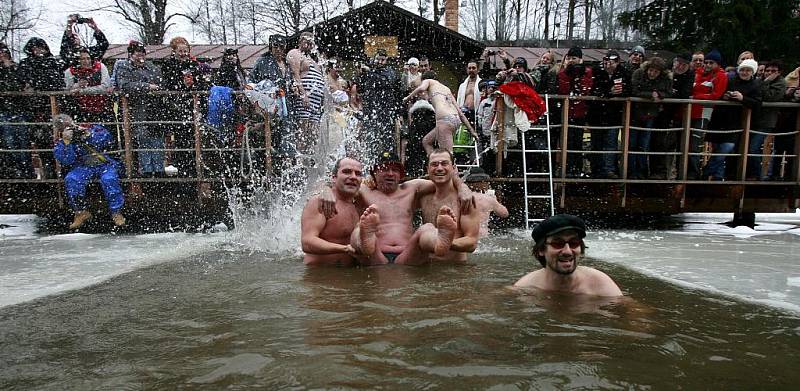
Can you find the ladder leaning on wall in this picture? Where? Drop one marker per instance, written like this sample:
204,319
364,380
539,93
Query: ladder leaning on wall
540,130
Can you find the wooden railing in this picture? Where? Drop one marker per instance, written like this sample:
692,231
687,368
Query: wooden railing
128,149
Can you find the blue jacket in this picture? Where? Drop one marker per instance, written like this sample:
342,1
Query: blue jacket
76,154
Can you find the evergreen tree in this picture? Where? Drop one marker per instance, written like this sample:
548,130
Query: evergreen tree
769,28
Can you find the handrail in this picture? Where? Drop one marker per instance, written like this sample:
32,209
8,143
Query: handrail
628,102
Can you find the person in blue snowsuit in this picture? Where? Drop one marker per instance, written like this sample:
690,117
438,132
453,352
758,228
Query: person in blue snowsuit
81,149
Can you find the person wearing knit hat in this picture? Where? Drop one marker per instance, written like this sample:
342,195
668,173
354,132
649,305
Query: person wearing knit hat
577,79
559,247
635,58
743,88
748,63
710,83
715,56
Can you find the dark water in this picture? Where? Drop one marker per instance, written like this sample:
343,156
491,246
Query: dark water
231,320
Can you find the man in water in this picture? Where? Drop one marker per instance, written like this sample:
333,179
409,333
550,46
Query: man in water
485,200
387,223
559,247
327,241
447,233
448,114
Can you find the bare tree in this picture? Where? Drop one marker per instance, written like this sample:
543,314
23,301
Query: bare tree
16,19
149,17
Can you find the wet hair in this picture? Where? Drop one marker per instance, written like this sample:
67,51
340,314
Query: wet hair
428,75
174,42
306,36
542,243
339,163
424,58
83,49
441,150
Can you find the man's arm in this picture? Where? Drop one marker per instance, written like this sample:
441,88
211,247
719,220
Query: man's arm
470,227
311,225
499,209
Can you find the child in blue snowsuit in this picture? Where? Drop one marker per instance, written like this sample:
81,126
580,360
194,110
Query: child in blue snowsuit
82,150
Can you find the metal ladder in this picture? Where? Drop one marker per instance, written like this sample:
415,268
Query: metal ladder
549,173
463,168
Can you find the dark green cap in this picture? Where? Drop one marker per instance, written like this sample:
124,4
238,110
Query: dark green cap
556,224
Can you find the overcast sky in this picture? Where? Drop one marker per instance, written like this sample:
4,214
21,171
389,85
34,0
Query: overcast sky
54,20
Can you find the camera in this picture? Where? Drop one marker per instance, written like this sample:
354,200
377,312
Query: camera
79,19
491,52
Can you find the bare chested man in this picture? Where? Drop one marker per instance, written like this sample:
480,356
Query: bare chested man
559,247
485,200
447,233
386,224
327,241
448,114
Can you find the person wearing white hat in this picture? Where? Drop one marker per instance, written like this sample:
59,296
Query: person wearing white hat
411,75
743,88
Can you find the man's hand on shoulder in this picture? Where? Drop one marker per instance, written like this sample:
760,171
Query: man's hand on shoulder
327,203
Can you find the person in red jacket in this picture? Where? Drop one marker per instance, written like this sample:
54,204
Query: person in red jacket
575,79
710,83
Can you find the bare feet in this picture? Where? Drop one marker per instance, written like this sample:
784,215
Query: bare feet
368,229
446,224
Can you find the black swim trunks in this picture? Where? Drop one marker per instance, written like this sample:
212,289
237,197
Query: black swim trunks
391,256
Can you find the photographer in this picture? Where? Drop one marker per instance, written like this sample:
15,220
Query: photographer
71,42
82,150
88,81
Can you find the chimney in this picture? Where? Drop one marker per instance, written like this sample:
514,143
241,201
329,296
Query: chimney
451,14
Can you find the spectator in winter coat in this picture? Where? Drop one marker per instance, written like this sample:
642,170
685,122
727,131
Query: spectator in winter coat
672,116
40,71
611,81
635,59
181,72
744,88
14,164
137,78
575,79
710,83
87,78
773,88
651,81
230,72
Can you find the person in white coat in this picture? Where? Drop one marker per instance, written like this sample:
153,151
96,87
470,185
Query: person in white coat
469,96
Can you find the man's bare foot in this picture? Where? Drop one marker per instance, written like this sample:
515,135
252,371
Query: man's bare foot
368,229
446,224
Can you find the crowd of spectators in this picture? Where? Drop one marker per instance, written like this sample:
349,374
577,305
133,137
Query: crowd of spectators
656,126
311,103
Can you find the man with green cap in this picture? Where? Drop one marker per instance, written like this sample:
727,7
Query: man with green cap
559,247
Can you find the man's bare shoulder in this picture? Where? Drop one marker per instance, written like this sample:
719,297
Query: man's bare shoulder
529,280
598,283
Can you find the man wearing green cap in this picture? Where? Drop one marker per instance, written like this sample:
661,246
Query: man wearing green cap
559,247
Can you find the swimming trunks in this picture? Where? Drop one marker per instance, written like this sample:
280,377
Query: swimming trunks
450,119
391,257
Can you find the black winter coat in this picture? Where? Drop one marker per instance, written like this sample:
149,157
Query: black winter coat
730,117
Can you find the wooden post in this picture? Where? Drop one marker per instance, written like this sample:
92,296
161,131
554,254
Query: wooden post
564,131
744,146
267,143
626,139
126,132
687,137
626,142
53,113
795,168
500,109
198,145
